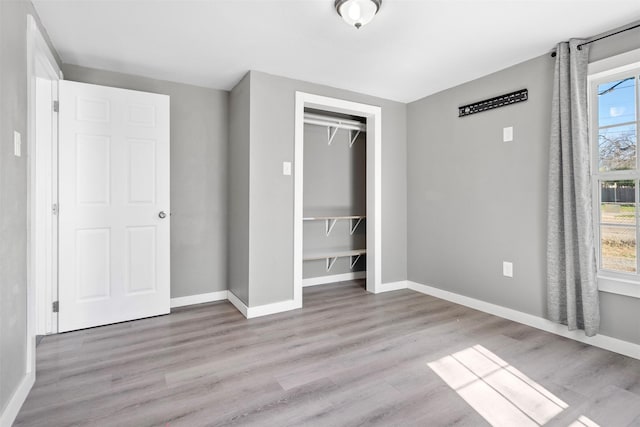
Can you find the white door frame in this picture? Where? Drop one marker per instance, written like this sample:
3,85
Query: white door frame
40,296
373,115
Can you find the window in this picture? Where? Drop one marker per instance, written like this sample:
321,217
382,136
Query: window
614,120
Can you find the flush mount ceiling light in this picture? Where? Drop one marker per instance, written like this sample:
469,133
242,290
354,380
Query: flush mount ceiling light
357,12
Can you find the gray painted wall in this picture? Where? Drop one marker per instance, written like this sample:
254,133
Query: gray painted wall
271,205
13,195
199,143
238,200
335,183
475,201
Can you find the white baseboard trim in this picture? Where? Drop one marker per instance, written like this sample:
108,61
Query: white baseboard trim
261,310
392,286
323,280
10,413
237,303
267,309
248,312
608,343
198,299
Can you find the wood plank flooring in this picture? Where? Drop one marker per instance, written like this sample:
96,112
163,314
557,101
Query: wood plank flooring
347,358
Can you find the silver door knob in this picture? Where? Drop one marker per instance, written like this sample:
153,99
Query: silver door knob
162,215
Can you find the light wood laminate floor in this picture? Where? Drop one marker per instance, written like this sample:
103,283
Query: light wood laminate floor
347,358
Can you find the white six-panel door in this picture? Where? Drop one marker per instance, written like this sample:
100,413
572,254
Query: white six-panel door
113,205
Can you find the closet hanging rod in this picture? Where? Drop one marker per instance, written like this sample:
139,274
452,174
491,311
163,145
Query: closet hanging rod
335,125
317,119
332,119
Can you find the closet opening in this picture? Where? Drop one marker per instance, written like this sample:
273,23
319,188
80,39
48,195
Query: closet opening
334,202
337,193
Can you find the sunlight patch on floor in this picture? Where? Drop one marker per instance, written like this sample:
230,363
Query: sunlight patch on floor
500,393
583,421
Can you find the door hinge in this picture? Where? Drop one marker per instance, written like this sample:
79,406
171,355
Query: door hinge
56,306
56,106
54,209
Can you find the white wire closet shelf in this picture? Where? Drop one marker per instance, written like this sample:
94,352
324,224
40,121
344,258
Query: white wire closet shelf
334,123
330,220
332,256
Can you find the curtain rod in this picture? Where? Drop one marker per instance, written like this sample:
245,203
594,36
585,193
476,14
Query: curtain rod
553,54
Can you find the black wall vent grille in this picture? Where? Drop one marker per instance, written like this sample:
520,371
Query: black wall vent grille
497,102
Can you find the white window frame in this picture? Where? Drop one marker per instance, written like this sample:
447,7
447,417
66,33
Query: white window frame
601,72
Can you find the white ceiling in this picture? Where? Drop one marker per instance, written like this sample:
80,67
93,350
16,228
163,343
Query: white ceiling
413,48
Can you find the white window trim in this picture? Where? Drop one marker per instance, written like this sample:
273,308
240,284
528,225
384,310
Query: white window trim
609,281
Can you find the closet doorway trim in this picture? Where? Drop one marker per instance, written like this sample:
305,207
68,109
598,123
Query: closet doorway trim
373,115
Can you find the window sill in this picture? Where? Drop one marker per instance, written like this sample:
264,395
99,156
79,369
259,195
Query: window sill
614,285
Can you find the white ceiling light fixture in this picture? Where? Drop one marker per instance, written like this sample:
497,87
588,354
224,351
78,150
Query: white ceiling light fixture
357,12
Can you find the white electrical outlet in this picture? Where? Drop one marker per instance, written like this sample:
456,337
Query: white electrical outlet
507,269
507,134
17,144
286,168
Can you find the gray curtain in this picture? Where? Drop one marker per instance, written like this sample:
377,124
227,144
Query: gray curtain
572,293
